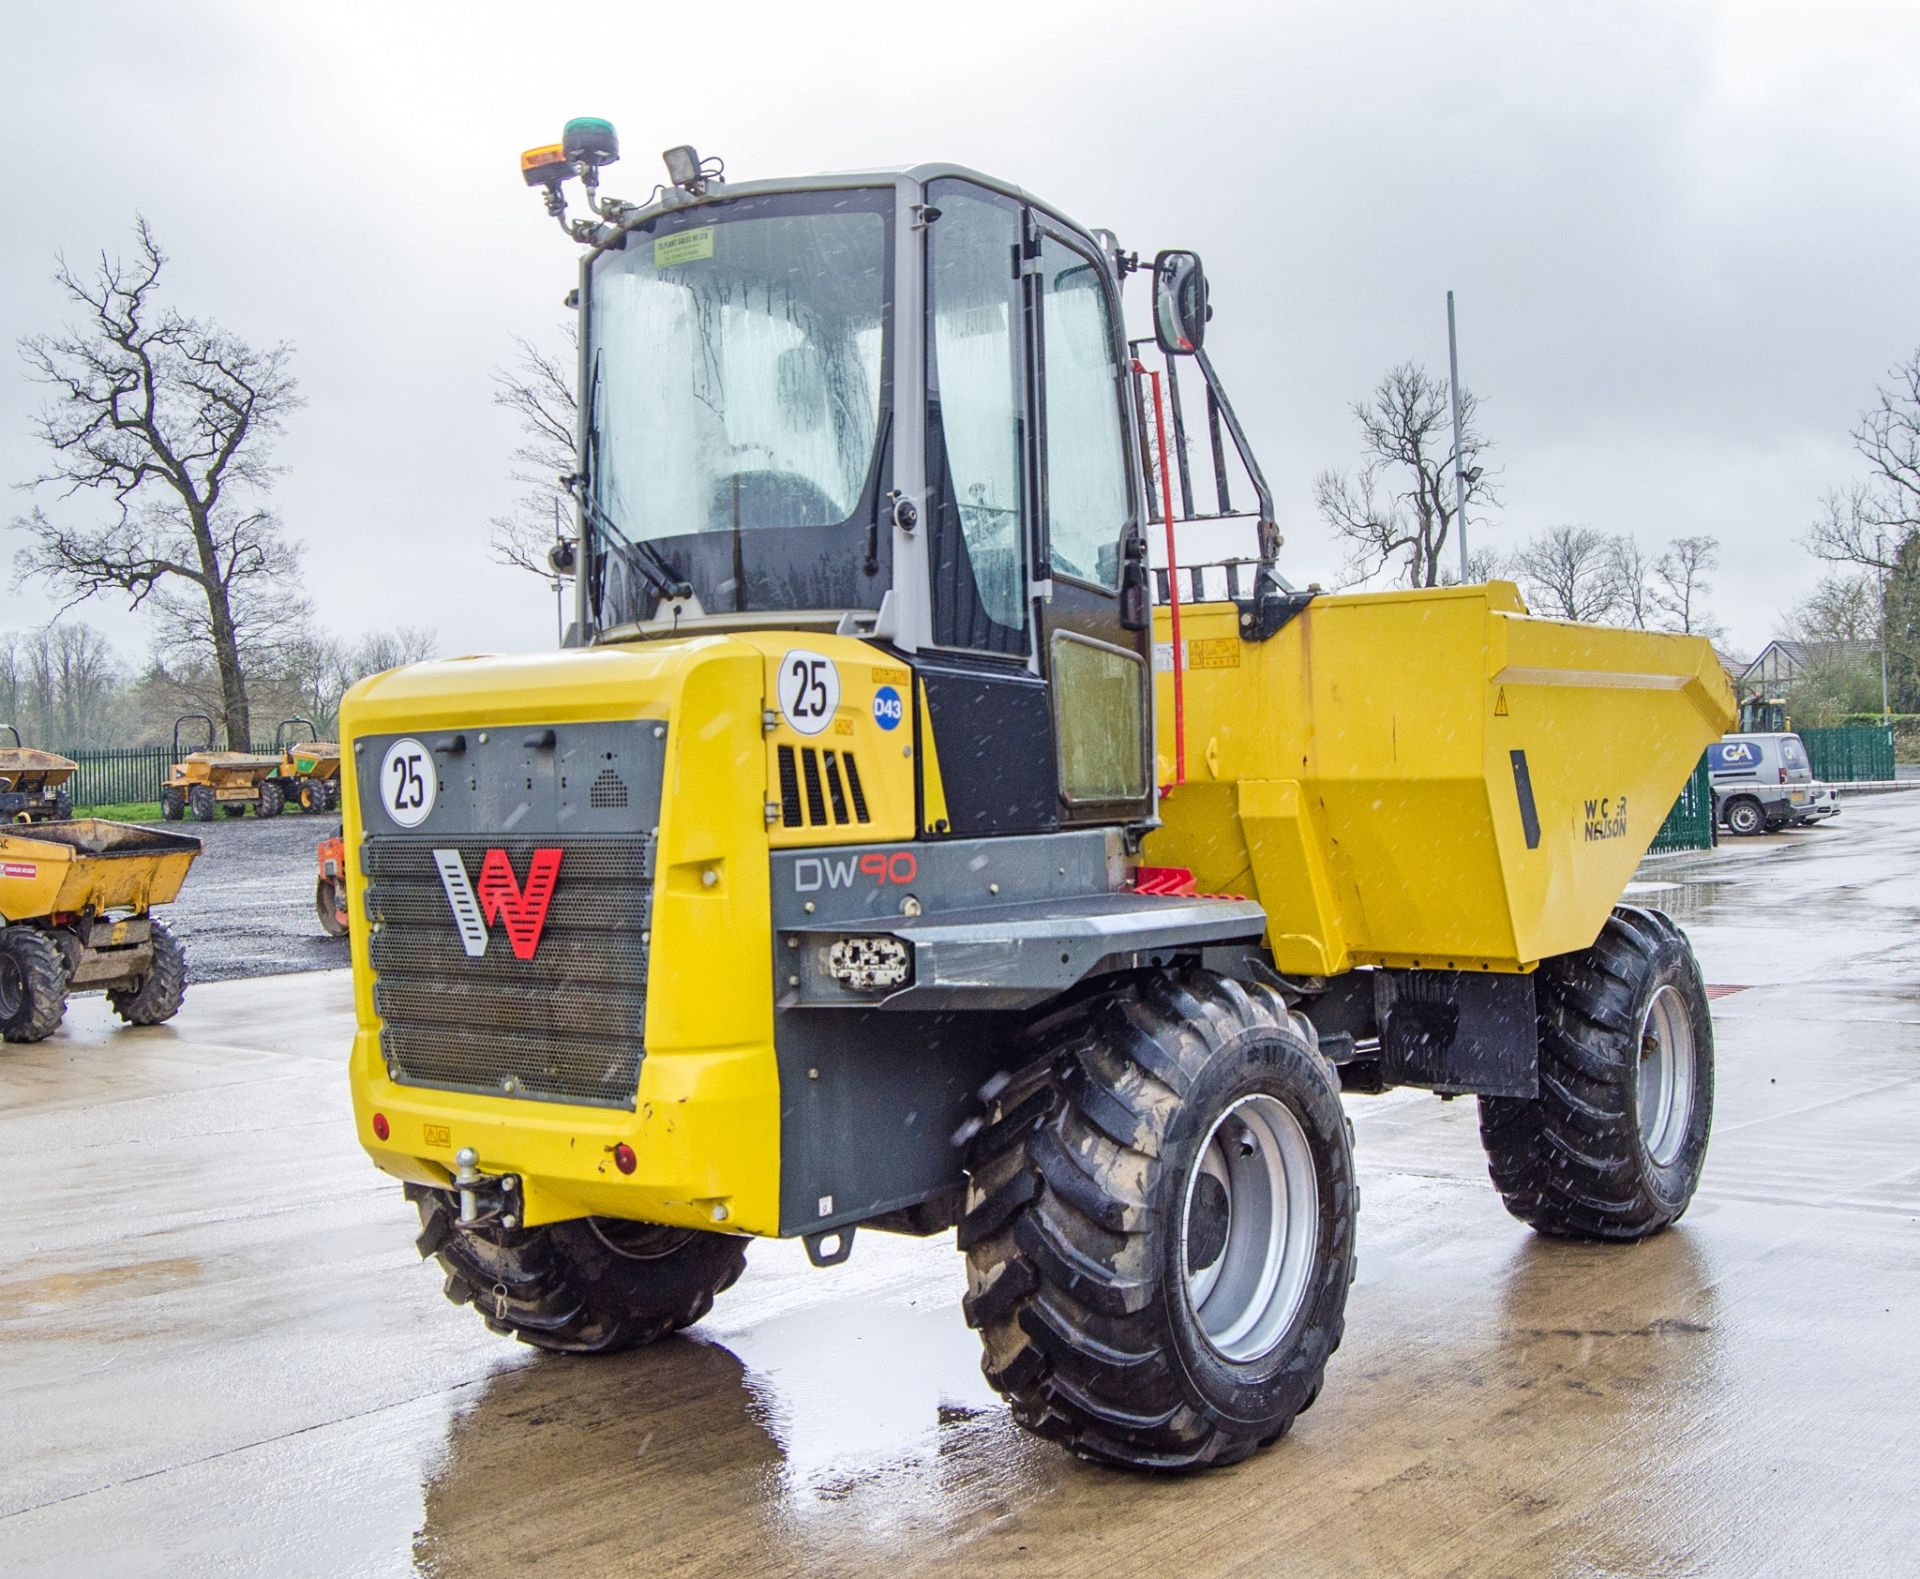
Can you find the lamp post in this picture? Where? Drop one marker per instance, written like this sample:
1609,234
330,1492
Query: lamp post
1880,557
1459,474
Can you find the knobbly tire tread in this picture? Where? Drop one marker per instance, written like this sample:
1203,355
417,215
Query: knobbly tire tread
1066,1281
201,802
1570,1163
562,1287
43,970
156,996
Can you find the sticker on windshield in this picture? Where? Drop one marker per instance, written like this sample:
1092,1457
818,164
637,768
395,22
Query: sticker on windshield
809,690
683,246
408,782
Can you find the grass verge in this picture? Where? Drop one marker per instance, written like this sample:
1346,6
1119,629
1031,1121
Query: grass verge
124,811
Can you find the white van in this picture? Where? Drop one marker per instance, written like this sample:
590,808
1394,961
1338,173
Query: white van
1762,782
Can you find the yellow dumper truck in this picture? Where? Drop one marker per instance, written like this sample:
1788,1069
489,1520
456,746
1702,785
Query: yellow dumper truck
76,902
878,855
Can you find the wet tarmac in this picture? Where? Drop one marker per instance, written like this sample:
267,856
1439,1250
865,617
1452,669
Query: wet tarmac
247,906
219,1354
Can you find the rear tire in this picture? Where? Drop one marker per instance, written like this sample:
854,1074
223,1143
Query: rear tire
173,804
1159,1224
1745,818
62,806
591,1286
33,984
201,803
156,996
1613,1146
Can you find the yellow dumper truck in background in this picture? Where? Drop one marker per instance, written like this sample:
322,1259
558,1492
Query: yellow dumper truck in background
878,855
76,901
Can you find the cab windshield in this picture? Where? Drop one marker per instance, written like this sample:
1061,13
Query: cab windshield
738,363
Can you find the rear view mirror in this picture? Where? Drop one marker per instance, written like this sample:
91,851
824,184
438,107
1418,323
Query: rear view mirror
1180,310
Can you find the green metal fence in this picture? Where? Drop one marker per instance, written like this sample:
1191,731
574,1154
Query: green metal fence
1851,754
117,778
1689,826
113,778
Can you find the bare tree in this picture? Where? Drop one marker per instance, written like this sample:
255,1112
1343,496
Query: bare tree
1843,610
1483,564
1838,627
1569,573
1680,586
1866,523
323,669
539,390
1401,502
63,685
1633,570
168,419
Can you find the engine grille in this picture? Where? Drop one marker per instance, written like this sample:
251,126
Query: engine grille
831,799
566,1025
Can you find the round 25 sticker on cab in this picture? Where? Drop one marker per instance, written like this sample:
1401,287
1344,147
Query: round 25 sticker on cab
809,691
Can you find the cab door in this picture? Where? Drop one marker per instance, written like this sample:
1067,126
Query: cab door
988,713
1083,479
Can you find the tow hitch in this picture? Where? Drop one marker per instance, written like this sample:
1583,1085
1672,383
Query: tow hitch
484,1197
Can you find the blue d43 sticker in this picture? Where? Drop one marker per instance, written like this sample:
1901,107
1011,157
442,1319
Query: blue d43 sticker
888,710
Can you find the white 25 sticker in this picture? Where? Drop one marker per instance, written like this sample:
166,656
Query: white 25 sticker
408,782
809,690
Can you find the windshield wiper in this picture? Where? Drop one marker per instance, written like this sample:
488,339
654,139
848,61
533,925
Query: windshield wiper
655,568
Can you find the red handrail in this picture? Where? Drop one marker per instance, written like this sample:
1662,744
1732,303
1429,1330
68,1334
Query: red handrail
1173,587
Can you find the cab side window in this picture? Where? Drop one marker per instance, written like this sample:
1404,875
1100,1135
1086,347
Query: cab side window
1086,468
974,422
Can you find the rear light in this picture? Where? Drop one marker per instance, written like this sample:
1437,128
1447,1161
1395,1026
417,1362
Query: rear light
624,1159
381,1129
1783,775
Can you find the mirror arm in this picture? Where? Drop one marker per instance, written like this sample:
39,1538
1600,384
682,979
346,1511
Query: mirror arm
1269,530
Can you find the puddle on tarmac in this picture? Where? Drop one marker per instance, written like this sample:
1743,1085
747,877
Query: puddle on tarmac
56,1289
1683,899
841,1423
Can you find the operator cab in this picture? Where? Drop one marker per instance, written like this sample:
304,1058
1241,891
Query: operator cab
898,406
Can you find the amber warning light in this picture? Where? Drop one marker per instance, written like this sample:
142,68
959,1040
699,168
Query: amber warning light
546,166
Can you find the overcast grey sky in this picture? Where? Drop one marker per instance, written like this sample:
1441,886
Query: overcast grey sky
1683,234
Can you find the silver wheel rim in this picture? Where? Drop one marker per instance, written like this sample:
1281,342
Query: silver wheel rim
1664,1089
1256,1167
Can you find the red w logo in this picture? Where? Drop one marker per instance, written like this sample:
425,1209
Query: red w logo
499,896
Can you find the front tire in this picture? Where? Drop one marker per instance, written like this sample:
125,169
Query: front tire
1613,1146
33,984
272,798
1160,1223
330,905
591,1286
156,996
